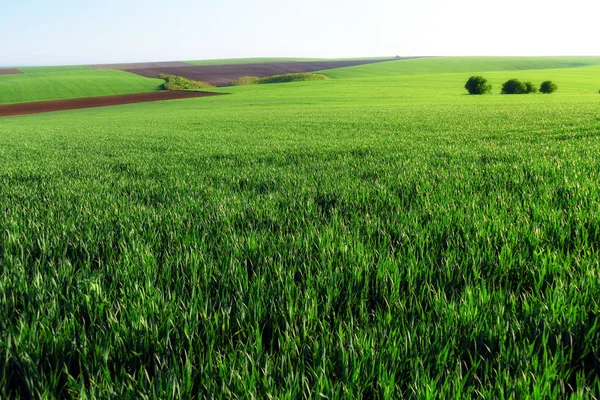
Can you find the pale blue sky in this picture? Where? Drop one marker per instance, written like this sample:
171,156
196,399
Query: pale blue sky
54,32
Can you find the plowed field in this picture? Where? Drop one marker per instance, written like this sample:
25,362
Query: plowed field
9,71
222,75
90,102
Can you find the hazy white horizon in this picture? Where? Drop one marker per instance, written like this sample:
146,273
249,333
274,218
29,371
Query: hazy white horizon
67,32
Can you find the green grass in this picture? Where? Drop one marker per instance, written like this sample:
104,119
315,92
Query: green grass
35,86
373,238
441,65
574,85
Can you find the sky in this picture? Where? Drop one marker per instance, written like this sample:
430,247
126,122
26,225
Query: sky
67,32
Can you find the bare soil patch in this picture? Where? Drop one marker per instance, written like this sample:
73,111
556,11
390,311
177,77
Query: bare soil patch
222,75
10,71
90,102
163,64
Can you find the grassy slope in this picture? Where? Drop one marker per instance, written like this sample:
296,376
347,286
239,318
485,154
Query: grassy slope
35,86
308,238
575,84
423,66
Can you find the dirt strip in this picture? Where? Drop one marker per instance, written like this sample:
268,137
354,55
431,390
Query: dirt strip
222,75
10,71
90,102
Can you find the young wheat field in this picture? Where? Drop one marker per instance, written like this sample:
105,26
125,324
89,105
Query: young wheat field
378,235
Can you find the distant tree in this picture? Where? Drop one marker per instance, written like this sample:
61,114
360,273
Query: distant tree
514,86
548,87
531,88
478,85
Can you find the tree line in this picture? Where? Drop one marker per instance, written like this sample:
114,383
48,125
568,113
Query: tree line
480,85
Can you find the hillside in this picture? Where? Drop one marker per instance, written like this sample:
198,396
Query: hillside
444,65
58,84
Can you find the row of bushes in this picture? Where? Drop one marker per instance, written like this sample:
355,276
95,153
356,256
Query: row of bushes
173,82
292,78
244,80
515,86
480,85
285,78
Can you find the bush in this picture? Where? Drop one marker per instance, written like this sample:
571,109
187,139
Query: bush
291,78
548,87
244,80
514,86
478,85
531,88
173,82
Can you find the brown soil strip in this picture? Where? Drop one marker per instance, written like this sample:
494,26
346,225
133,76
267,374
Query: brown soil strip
164,64
222,75
10,71
90,102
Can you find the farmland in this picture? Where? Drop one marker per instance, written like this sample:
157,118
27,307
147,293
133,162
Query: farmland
28,84
37,107
223,75
9,71
264,60
50,83
377,235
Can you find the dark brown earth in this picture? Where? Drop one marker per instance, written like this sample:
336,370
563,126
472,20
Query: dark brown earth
10,71
222,75
90,102
164,64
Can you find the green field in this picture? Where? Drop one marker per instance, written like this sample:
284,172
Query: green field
378,235
442,65
69,84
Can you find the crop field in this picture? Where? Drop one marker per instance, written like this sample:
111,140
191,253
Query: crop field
444,65
259,60
9,71
37,107
66,83
377,235
223,75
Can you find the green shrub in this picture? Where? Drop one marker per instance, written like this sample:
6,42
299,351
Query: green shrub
173,82
548,87
531,88
302,77
478,85
514,86
244,80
